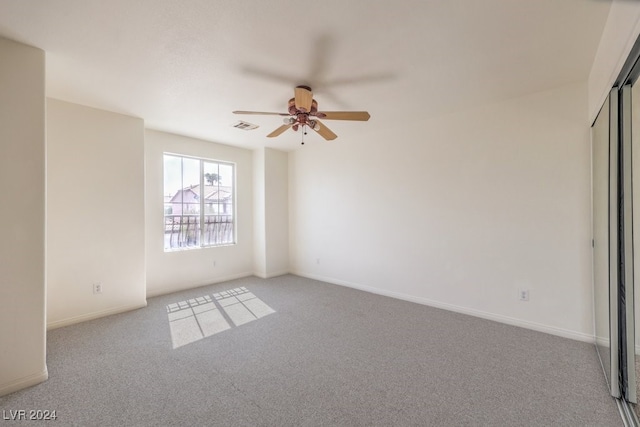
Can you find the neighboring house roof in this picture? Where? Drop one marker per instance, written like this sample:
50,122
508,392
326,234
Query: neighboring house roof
218,195
213,193
186,194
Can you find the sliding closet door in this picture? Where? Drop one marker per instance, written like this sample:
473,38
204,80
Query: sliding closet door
634,358
605,231
627,297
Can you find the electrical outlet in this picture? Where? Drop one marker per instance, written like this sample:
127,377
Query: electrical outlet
523,294
317,260
97,288
214,262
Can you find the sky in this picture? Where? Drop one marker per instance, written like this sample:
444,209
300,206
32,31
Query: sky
180,172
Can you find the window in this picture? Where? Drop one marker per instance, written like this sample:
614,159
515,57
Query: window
199,199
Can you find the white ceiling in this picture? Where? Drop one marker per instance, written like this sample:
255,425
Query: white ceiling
183,66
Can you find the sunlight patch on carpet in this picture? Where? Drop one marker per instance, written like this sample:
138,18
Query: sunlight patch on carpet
201,317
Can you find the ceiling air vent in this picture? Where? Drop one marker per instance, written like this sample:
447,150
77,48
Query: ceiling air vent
245,125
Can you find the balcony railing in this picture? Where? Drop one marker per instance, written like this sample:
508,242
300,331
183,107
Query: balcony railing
184,231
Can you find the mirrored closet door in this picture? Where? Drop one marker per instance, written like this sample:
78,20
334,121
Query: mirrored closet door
604,198
633,135
615,149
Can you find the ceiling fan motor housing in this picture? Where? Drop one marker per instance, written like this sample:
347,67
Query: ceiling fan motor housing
294,111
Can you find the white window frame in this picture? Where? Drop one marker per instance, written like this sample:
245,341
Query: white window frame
234,225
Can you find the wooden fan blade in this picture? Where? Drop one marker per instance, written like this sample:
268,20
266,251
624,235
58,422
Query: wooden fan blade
261,113
304,98
361,116
325,132
278,131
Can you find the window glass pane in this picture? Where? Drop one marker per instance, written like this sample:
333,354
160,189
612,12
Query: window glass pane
226,189
172,175
190,186
226,175
212,181
225,203
218,224
190,221
211,173
172,200
188,204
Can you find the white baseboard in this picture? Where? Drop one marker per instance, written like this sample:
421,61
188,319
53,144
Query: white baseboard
264,275
24,382
165,291
565,333
603,342
93,315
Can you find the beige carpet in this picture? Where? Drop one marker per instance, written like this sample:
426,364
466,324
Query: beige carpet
290,351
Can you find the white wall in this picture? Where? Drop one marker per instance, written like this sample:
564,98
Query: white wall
95,212
22,246
172,271
277,212
459,211
259,218
619,35
271,212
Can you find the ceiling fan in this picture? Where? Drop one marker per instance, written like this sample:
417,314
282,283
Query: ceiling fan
303,113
